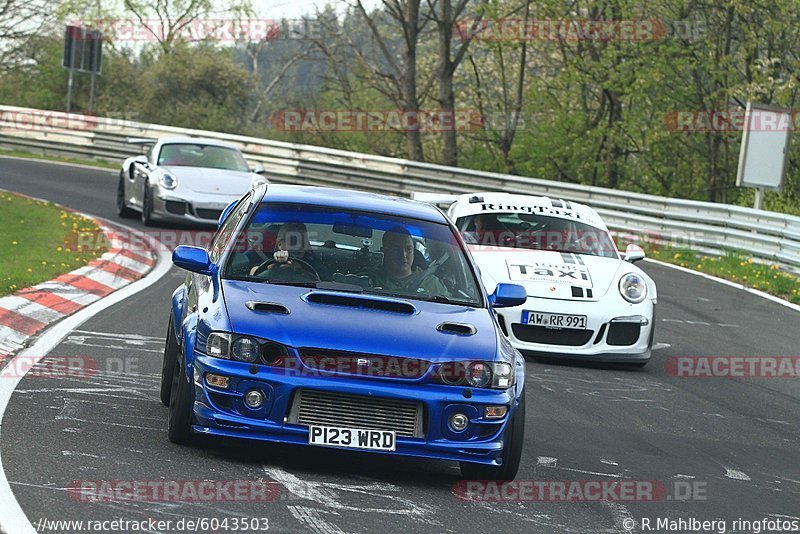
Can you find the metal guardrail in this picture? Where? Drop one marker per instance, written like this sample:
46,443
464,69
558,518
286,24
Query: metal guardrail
703,226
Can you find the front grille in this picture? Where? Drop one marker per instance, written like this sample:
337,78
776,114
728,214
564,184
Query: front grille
368,365
571,337
208,214
356,411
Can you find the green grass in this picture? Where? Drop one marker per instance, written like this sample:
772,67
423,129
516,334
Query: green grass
735,266
100,163
39,241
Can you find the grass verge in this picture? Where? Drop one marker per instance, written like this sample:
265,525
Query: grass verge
99,163
736,267
40,241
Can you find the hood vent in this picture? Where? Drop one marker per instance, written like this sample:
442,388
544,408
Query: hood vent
267,307
462,329
360,301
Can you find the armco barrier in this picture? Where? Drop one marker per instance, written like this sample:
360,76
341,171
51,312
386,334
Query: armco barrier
704,226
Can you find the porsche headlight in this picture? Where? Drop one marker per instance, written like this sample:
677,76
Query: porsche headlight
168,181
633,288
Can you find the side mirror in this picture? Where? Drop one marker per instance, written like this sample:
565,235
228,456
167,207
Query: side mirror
141,159
258,168
508,296
194,259
634,253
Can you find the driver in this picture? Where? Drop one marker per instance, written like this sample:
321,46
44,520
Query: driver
292,243
398,271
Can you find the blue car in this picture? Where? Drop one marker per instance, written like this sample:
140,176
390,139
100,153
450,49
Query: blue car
325,317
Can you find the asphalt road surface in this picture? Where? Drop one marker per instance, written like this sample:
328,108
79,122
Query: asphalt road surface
719,448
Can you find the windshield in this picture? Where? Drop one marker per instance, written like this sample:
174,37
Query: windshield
353,251
196,155
536,232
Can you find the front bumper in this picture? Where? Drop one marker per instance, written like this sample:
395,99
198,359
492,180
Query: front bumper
223,413
620,332
200,209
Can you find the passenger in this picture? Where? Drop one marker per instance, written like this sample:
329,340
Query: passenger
398,272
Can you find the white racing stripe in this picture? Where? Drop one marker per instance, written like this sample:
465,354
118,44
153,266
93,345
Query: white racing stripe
12,517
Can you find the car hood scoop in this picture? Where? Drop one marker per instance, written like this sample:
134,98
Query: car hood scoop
461,329
268,307
360,301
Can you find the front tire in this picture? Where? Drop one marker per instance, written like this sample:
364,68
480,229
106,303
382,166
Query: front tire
171,350
147,205
122,209
180,407
513,441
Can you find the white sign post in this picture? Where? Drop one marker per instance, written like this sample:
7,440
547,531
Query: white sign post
765,147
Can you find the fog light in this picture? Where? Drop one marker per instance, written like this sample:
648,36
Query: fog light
254,398
217,381
495,412
458,422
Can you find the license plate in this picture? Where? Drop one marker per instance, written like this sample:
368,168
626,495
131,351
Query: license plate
351,438
554,320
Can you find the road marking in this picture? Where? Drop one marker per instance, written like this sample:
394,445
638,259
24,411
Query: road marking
661,346
12,517
546,461
699,323
552,463
735,474
310,517
607,462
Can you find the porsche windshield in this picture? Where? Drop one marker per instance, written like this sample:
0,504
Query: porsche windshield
197,155
354,251
536,232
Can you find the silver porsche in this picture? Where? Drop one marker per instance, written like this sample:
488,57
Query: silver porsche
184,179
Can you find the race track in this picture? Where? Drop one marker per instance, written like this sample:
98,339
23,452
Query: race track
733,441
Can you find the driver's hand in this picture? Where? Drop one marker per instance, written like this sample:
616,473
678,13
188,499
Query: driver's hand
281,256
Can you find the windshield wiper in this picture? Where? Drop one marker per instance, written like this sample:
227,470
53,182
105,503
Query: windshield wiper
447,300
293,284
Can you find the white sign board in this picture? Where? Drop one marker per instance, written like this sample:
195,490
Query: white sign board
765,144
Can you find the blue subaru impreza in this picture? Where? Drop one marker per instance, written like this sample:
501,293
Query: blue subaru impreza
333,318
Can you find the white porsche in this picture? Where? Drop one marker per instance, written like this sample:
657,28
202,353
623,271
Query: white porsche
184,179
585,300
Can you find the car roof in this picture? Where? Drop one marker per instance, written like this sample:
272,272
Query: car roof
353,200
475,203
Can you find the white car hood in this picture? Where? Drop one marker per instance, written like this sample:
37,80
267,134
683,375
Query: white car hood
548,274
212,181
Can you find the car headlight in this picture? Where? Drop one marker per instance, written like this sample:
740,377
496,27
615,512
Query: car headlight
477,374
219,345
167,181
633,288
245,349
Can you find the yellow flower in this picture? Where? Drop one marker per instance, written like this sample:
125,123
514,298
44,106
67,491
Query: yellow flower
677,256
14,243
30,270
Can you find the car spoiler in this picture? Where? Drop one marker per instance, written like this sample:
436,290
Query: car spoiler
435,198
141,141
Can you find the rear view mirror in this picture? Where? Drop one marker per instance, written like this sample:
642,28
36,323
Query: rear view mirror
194,259
141,159
352,229
634,253
508,296
258,169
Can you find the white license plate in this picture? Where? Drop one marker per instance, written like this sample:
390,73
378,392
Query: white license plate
554,320
351,438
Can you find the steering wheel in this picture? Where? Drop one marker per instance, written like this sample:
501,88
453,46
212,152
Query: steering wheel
302,263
